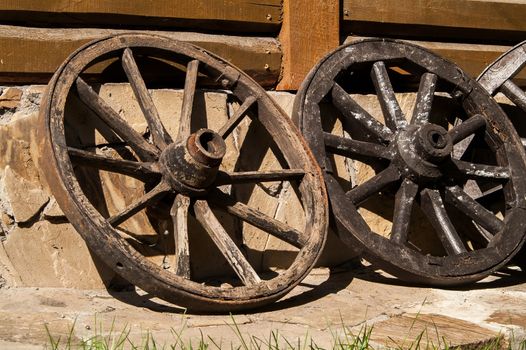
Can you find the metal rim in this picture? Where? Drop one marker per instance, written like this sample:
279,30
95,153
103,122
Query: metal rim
413,164
172,164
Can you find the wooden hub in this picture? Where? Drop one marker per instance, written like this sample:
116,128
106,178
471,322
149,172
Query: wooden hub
191,166
421,149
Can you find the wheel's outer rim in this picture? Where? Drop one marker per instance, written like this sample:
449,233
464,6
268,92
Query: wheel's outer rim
101,237
353,230
494,75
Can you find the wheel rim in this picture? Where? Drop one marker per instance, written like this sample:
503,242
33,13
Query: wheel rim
187,167
498,76
416,162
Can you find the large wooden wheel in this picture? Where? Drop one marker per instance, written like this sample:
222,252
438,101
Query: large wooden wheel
182,174
419,166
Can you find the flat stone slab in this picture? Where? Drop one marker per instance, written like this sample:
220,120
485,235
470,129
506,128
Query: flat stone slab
327,306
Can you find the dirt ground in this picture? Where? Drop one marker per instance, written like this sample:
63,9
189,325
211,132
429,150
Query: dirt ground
326,306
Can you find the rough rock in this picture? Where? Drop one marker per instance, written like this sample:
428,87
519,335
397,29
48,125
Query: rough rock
52,210
53,255
24,198
10,98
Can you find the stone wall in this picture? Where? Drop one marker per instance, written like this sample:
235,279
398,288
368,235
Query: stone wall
40,248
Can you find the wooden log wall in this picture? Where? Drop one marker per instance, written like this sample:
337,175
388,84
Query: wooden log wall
471,33
37,36
276,41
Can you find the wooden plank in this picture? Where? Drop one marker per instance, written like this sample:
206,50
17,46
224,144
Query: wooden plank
310,29
435,331
31,55
484,20
473,58
224,15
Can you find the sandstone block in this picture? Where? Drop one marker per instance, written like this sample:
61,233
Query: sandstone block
10,98
23,198
54,255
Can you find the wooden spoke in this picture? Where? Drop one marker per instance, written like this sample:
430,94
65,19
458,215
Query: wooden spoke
433,207
156,194
374,185
225,244
225,177
473,209
354,112
93,101
352,148
514,93
138,170
404,200
179,214
424,99
258,219
160,136
238,116
190,83
467,128
474,170
394,117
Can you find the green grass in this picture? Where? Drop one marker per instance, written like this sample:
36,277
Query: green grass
343,339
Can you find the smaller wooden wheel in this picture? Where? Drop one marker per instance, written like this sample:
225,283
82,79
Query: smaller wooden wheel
500,76
167,179
447,177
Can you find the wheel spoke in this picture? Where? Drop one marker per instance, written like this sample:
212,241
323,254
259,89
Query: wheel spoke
374,185
394,117
179,214
467,128
190,83
514,93
354,112
226,178
225,244
424,99
258,219
156,194
160,136
353,148
93,101
138,170
433,207
404,200
470,207
238,116
474,170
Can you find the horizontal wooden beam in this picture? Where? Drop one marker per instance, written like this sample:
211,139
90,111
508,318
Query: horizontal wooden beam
311,28
487,21
473,59
224,15
31,55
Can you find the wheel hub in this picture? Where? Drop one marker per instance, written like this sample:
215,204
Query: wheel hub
190,166
421,149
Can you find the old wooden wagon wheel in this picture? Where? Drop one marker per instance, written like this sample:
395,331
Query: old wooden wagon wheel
182,174
415,175
500,76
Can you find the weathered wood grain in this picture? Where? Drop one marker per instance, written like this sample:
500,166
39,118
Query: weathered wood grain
436,330
224,15
472,58
310,30
31,55
497,20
